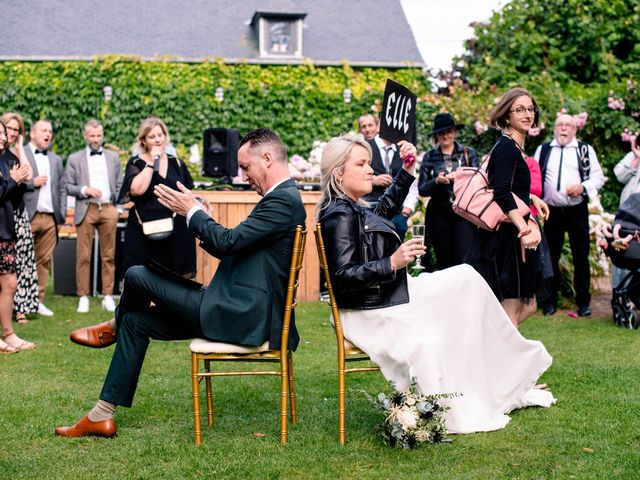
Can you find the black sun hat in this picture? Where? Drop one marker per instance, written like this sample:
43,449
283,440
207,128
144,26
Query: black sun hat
443,122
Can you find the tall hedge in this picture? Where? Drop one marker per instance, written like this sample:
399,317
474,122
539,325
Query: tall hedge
302,103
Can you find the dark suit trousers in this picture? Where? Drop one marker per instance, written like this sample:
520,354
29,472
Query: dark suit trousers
176,316
574,221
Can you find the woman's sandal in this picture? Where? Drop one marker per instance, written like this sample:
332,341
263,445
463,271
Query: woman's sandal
6,348
21,318
23,345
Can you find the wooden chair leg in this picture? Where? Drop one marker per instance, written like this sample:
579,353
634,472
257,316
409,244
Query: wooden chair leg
341,403
207,381
292,392
284,400
195,385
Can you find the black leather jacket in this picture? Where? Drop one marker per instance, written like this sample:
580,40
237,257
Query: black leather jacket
359,243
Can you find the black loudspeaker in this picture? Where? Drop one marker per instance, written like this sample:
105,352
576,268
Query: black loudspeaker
64,267
220,158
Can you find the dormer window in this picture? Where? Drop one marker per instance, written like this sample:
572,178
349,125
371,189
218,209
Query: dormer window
279,34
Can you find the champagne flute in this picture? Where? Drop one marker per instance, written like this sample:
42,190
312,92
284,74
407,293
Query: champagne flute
417,231
448,163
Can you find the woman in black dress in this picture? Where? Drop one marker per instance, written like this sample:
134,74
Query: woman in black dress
154,166
11,191
506,258
450,234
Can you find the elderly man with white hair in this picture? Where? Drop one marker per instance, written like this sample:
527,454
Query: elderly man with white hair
571,173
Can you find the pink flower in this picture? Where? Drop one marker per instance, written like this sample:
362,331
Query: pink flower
480,127
615,103
533,132
580,119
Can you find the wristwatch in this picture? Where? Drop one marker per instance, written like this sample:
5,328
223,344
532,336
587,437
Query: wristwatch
148,165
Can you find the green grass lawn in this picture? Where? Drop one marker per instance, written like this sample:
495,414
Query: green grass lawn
592,432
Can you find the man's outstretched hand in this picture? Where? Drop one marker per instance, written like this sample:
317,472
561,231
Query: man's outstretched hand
179,201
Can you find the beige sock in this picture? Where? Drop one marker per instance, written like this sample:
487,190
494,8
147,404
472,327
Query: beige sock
102,411
113,325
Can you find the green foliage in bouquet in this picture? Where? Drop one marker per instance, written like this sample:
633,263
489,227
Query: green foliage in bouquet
411,418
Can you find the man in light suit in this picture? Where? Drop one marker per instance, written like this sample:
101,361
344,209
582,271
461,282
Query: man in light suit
45,201
94,177
243,304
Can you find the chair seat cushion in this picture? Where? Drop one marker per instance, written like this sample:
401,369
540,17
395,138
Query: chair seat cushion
200,345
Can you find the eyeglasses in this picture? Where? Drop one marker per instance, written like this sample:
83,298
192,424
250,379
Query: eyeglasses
568,125
520,111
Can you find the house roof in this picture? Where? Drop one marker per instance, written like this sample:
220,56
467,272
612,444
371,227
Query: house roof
363,32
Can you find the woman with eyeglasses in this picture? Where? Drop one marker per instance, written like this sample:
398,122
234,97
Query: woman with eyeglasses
506,258
449,233
25,301
12,187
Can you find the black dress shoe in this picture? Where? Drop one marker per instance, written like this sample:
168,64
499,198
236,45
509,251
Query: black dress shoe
549,309
584,311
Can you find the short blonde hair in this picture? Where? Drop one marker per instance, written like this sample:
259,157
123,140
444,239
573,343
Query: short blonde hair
146,126
334,157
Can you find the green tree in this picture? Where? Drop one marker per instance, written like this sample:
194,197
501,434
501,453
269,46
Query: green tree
581,40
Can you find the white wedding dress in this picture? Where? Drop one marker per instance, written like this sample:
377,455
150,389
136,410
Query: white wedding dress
454,337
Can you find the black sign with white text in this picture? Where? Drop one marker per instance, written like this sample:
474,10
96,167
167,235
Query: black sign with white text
398,116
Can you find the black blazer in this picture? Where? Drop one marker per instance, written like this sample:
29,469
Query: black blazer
244,303
8,190
359,243
378,169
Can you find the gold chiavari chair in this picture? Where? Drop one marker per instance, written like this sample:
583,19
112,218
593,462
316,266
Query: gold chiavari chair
347,352
208,352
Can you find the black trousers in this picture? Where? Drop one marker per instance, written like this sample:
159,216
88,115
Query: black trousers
450,234
175,316
575,222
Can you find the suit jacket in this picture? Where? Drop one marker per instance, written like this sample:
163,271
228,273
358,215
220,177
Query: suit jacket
58,187
77,176
244,303
378,169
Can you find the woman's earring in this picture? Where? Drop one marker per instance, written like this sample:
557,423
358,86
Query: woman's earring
507,122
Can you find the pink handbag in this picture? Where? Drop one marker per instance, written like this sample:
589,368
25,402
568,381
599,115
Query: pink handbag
474,198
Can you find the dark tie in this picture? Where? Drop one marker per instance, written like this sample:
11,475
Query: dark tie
387,158
560,168
95,152
43,152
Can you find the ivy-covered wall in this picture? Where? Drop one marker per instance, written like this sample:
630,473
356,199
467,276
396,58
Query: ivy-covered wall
302,103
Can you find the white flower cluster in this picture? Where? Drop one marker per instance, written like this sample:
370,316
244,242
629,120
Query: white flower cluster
307,170
412,418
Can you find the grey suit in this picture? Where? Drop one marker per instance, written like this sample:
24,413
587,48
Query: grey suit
77,176
58,186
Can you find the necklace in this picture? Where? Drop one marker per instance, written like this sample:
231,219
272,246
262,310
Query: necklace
514,141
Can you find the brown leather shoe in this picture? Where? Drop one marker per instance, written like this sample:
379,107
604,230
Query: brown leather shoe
87,428
97,336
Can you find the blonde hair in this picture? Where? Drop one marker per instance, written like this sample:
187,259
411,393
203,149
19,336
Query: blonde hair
146,126
7,117
334,157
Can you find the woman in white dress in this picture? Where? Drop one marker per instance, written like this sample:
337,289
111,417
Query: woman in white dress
445,329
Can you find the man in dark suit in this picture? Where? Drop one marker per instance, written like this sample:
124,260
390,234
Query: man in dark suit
45,201
243,303
94,177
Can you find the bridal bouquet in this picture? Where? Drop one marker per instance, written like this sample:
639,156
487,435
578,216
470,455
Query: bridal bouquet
412,418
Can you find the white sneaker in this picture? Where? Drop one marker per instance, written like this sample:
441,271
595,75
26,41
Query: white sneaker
108,304
83,305
42,310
